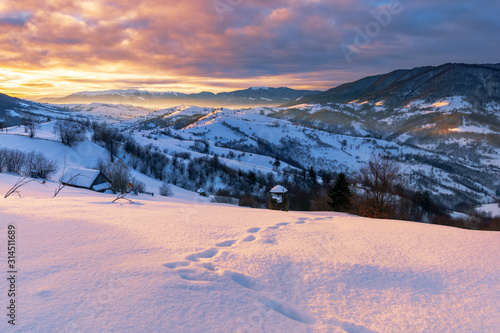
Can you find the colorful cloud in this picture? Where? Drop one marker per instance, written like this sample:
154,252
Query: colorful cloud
58,47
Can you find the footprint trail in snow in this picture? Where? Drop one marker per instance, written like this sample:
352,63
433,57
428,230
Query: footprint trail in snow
206,271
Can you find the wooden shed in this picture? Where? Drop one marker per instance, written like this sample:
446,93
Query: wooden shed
278,198
86,178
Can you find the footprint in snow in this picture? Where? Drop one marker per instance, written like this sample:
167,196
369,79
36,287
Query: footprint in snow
274,227
253,230
209,266
197,276
249,238
244,280
282,223
210,253
173,265
288,312
269,240
227,243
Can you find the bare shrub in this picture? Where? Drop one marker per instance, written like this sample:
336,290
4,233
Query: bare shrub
3,156
20,183
166,190
41,165
138,186
248,200
224,200
14,161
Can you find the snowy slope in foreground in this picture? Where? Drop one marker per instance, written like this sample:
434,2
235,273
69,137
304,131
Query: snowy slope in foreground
160,265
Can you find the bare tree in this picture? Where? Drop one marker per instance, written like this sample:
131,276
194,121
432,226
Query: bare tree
377,181
112,143
70,132
111,137
31,125
118,173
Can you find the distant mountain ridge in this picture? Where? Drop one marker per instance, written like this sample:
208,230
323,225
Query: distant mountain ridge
479,84
256,96
13,109
7,102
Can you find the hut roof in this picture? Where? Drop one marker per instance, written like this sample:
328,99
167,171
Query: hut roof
84,177
279,189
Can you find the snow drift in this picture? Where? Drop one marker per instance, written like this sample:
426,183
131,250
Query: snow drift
183,265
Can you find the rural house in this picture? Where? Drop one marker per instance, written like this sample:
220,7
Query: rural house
86,178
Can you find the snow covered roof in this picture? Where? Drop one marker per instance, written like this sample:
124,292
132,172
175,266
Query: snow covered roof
102,187
200,191
279,189
84,177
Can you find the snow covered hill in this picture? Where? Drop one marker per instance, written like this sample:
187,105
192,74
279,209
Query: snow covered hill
479,82
84,155
445,147
177,265
456,167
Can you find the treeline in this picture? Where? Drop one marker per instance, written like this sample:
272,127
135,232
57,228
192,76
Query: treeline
474,183
377,190
16,161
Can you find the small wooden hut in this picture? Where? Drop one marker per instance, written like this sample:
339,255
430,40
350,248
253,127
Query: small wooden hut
278,198
86,178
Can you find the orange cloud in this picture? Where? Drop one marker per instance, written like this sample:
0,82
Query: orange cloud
194,45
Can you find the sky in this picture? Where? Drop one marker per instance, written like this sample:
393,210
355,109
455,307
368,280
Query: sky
58,47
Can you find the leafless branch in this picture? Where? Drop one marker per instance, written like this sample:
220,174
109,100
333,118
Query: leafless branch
62,185
20,183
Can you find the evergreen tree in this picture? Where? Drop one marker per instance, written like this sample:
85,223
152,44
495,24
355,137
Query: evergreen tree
252,178
425,202
340,194
312,175
326,178
276,164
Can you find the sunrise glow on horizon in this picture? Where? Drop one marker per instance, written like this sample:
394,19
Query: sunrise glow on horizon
59,47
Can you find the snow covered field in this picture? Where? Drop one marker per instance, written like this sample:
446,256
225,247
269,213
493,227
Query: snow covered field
182,265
